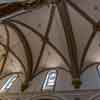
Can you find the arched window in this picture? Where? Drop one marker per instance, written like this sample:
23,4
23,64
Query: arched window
98,69
8,83
50,80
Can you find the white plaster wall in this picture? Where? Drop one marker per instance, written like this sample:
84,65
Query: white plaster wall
62,82
90,79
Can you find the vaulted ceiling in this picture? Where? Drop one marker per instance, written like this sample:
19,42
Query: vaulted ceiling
62,35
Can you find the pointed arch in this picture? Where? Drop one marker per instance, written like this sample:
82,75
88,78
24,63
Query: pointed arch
26,46
43,39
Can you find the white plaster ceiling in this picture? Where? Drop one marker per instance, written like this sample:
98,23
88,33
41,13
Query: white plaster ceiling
91,7
38,19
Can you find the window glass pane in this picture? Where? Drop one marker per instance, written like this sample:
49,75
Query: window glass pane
99,67
50,80
8,83
98,70
53,74
52,77
50,83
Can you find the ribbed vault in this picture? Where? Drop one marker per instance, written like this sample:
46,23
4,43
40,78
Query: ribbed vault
39,36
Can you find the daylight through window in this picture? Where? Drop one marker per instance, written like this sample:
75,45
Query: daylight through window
8,83
50,80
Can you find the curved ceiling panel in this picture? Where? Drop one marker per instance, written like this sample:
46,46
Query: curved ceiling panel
93,54
12,65
16,46
57,36
3,34
42,14
90,7
54,36
51,59
34,41
82,30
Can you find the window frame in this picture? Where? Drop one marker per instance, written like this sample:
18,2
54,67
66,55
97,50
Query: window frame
7,85
45,86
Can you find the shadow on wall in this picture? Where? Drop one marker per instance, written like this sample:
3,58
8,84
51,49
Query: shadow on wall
90,79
